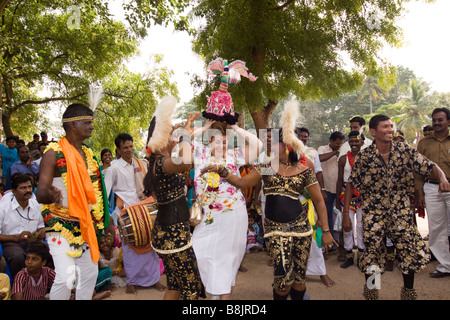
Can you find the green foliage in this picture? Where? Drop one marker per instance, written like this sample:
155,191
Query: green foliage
62,46
128,104
296,47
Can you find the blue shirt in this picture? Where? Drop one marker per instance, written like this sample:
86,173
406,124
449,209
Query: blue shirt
9,156
19,166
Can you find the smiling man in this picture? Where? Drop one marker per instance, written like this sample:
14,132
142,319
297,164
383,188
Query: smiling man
436,147
383,173
125,178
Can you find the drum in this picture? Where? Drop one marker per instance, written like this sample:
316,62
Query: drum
136,222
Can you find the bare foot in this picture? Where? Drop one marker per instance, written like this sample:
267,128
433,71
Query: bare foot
130,289
101,295
327,280
158,286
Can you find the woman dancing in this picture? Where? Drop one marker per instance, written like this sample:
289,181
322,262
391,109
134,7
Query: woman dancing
171,234
220,239
287,230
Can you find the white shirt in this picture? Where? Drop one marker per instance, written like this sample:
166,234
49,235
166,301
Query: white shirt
346,147
313,155
330,169
120,178
14,219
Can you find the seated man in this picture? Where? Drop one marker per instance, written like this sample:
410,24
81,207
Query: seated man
20,222
25,164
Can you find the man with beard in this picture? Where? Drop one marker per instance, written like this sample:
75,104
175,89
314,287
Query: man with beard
436,147
20,222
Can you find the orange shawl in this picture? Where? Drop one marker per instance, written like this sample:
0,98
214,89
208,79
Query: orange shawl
80,193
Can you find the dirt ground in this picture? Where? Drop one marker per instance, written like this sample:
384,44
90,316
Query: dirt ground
255,284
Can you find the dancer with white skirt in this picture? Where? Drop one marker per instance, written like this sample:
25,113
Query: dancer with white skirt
220,240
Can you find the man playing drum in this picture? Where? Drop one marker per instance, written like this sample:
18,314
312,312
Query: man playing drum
125,178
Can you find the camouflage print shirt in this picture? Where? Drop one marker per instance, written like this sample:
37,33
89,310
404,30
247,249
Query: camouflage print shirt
388,188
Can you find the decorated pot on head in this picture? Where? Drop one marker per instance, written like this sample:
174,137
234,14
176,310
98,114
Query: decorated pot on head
220,105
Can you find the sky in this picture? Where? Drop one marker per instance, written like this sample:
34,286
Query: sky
426,45
425,48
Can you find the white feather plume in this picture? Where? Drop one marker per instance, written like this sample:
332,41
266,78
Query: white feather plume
163,127
288,124
95,95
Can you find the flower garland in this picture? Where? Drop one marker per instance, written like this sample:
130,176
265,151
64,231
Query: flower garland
212,187
69,228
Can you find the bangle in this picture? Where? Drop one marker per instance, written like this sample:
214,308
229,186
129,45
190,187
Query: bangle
323,189
228,173
326,231
186,138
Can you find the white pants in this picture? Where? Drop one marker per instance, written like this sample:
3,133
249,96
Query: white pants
349,237
80,273
438,205
316,261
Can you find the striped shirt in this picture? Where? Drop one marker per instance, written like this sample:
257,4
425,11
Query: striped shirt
32,289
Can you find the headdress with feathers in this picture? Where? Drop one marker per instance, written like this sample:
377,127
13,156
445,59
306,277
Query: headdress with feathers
95,95
161,126
288,124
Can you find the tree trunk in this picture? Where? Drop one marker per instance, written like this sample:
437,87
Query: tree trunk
7,124
261,117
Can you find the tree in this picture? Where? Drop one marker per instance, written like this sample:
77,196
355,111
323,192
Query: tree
417,105
63,46
128,104
370,87
294,47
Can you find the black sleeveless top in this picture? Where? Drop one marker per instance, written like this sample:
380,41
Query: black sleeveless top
169,190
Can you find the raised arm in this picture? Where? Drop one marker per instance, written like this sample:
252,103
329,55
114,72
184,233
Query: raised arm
184,161
254,146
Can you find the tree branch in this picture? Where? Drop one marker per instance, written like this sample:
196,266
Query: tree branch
24,103
3,6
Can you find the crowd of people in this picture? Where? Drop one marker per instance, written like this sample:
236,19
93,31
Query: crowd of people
61,209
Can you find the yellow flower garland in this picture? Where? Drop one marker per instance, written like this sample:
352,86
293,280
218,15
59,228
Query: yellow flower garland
96,208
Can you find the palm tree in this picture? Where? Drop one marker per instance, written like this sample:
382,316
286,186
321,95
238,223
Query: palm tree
417,104
370,87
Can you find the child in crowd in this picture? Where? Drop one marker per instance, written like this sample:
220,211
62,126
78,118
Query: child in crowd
5,287
253,234
111,257
35,280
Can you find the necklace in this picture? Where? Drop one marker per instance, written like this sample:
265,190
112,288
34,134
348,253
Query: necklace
385,154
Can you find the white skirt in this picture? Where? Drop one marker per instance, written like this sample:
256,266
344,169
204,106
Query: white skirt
219,248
